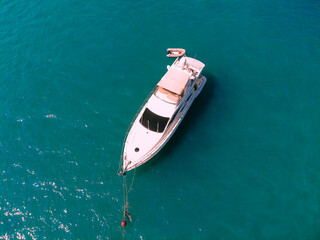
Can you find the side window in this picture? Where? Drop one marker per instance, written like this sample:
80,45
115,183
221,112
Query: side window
173,116
189,98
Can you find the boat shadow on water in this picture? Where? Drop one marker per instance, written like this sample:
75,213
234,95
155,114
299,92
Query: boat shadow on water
199,107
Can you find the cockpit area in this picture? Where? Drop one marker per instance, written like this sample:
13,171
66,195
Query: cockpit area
166,95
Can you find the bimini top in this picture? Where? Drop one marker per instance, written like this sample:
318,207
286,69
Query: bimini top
174,80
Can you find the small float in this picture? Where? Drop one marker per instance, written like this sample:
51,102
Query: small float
175,52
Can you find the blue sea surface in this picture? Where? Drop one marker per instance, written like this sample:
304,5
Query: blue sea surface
244,163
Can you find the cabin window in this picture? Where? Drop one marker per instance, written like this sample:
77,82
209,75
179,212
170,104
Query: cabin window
188,98
173,117
153,122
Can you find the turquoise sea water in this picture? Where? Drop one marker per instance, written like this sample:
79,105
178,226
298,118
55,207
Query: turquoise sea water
245,162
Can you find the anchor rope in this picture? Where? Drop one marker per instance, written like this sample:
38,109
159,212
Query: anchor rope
126,192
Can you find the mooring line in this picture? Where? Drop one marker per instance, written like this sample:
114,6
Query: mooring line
126,192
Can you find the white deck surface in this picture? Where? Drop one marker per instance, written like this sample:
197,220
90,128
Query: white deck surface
174,80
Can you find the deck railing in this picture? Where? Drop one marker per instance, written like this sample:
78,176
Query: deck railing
132,121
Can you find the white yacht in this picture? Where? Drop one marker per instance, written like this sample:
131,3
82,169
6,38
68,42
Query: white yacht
163,111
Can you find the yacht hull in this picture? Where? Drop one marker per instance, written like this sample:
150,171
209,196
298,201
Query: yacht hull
156,143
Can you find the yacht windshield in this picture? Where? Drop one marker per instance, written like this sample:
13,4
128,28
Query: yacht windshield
152,121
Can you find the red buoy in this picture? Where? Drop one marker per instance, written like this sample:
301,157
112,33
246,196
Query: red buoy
123,223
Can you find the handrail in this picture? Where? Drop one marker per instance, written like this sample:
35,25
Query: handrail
131,123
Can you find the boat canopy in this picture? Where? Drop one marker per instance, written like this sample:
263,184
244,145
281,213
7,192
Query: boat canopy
174,80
